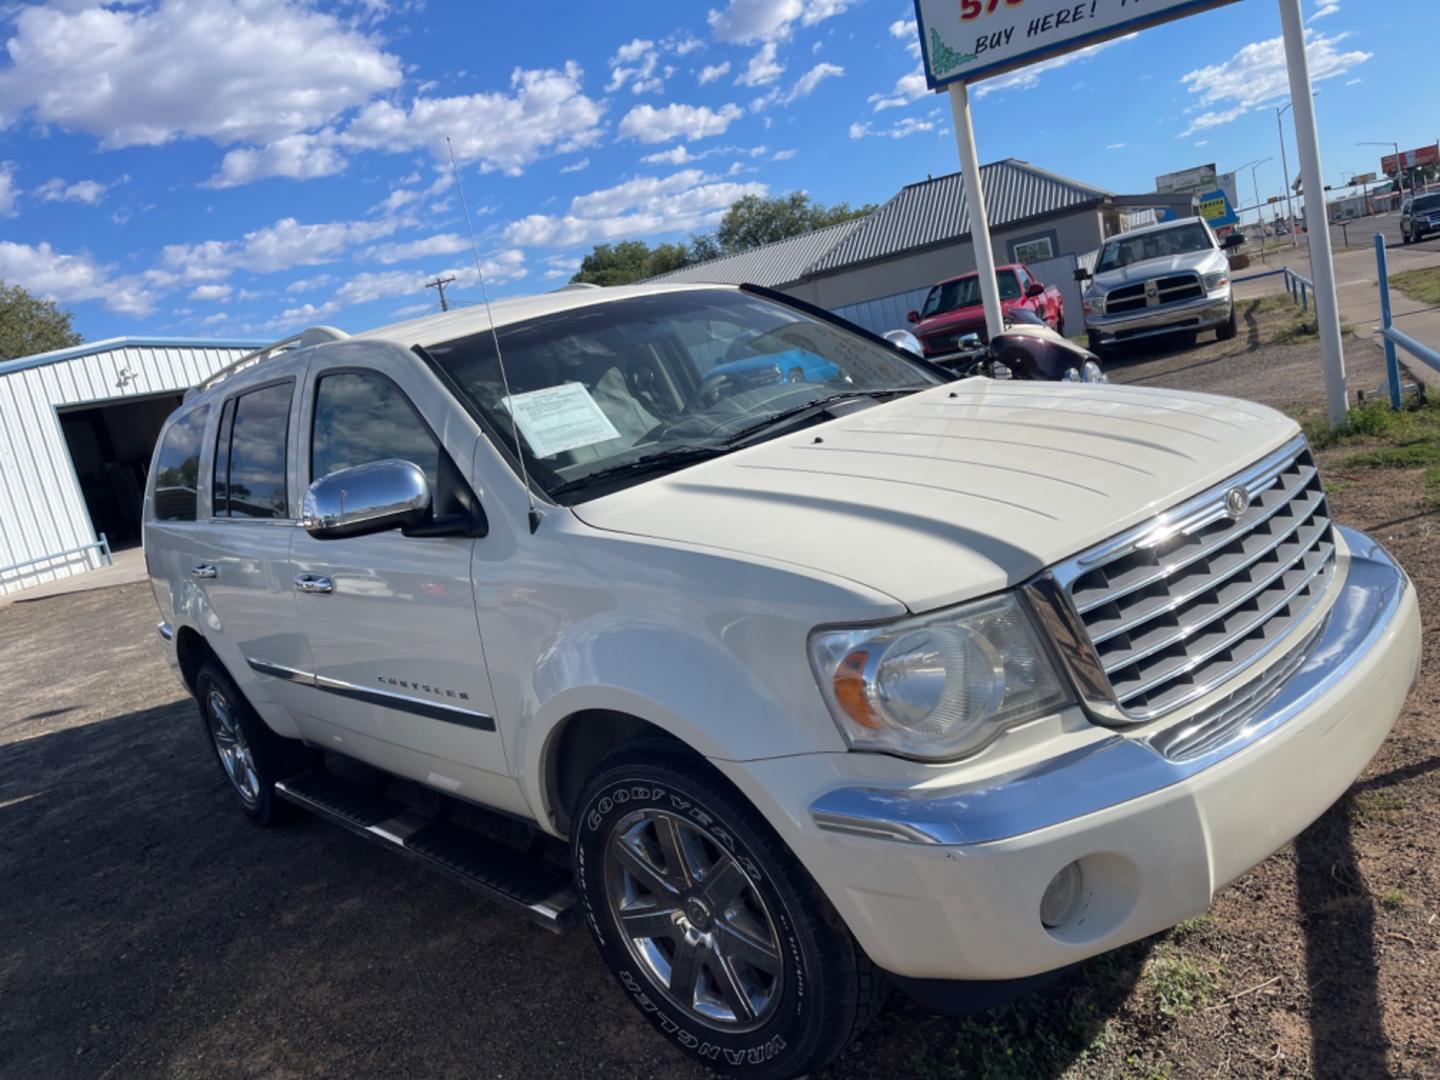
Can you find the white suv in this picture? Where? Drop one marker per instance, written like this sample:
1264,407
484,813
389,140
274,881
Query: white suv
829,674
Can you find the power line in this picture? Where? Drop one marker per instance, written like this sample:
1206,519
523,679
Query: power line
439,284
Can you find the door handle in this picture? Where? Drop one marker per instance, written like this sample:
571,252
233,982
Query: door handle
204,569
313,583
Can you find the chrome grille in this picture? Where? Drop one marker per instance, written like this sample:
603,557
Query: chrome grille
1155,293
1184,604
1126,298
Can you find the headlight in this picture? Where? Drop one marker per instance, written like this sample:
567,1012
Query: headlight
1095,305
1093,373
1217,280
940,686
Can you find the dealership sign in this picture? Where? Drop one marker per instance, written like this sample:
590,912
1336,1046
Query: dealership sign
1413,159
967,40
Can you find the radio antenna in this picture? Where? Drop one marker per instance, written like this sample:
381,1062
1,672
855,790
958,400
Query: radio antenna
495,337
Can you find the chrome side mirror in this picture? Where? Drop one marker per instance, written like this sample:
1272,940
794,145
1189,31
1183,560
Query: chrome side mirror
904,339
968,341
390,494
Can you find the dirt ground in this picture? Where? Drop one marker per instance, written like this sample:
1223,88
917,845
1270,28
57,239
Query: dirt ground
150,931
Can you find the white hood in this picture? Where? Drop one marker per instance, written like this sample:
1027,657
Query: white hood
957,491
1199,262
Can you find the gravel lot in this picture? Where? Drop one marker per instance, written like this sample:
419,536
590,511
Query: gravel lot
149,930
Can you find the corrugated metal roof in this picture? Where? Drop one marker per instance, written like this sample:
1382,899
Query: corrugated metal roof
936,210
774,264
111,344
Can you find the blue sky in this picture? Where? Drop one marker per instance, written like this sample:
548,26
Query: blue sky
243,168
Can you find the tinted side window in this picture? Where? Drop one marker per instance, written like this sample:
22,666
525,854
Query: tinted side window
253,434
1009,287
362,417
177,467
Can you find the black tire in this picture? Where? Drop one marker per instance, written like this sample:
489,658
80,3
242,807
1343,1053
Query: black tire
795,375
1405,237
1228,330
261,756
824,989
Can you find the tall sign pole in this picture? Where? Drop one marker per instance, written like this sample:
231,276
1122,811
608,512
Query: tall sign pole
975,203
1322,263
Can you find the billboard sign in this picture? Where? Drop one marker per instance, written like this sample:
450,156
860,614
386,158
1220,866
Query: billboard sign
1226,182
1215,208
968,40
1362,178
1187,181
1413,159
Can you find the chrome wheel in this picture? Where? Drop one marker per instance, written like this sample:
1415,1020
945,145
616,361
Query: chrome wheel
236,757
693,919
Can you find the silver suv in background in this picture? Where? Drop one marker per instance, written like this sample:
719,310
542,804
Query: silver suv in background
1164,279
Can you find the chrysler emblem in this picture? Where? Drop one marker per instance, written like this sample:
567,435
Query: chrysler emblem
1237,501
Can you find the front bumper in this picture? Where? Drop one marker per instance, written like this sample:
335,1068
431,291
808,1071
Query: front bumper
1203,313
945,882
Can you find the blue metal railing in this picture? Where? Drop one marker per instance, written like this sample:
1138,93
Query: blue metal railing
103,545
1300,288
1393,337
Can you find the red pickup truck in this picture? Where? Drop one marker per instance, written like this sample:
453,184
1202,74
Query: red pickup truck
953,309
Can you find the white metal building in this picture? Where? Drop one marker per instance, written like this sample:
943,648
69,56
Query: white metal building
77,427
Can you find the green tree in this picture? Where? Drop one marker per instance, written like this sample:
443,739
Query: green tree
29,325
615,264
754,221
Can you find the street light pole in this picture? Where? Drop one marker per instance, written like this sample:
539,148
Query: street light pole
1399,165
1254,166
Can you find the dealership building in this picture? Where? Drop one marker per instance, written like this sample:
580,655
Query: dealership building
77,427
874,269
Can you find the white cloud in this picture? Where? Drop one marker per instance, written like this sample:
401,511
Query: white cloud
53,275
439,244
683,155
645,58
299,285
281,246
784,155
546,113
813,78
227,70
1327,7
643,206
908,88
1353,82
899,130
296,157
651,125
576,166
8,191
762,68
683,44
1258,74
213,293
710,72
89,192
744,22
908,31
1029,77
1116,146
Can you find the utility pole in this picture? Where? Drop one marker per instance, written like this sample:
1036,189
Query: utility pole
439,285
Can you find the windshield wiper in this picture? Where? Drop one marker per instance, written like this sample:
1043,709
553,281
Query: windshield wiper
660,461
817,405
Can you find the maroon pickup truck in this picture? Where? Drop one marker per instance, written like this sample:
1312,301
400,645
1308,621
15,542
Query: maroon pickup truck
953,308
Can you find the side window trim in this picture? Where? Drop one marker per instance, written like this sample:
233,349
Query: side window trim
226,434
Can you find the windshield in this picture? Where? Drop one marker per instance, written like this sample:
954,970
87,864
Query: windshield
950,295
1181,240
605,388
1427,203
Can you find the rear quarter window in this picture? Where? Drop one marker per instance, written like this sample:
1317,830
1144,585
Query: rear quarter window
177,467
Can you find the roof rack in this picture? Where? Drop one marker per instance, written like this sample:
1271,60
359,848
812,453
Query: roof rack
316,335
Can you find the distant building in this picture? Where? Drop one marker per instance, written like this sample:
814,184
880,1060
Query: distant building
77,427
876,268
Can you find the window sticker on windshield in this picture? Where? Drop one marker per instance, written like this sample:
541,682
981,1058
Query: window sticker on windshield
560,418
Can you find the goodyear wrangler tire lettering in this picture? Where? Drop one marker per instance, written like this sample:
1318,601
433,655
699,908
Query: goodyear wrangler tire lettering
671,862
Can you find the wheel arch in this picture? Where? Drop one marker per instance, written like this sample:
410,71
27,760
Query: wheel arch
574,749
191,651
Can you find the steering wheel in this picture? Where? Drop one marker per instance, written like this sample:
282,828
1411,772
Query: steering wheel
711,391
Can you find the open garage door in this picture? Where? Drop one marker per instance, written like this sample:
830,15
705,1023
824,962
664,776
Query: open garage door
110,446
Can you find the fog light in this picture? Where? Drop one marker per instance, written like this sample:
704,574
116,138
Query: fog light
1062,896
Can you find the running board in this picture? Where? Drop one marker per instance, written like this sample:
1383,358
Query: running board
541,891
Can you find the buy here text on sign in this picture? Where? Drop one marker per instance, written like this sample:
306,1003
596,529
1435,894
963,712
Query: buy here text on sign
966,40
